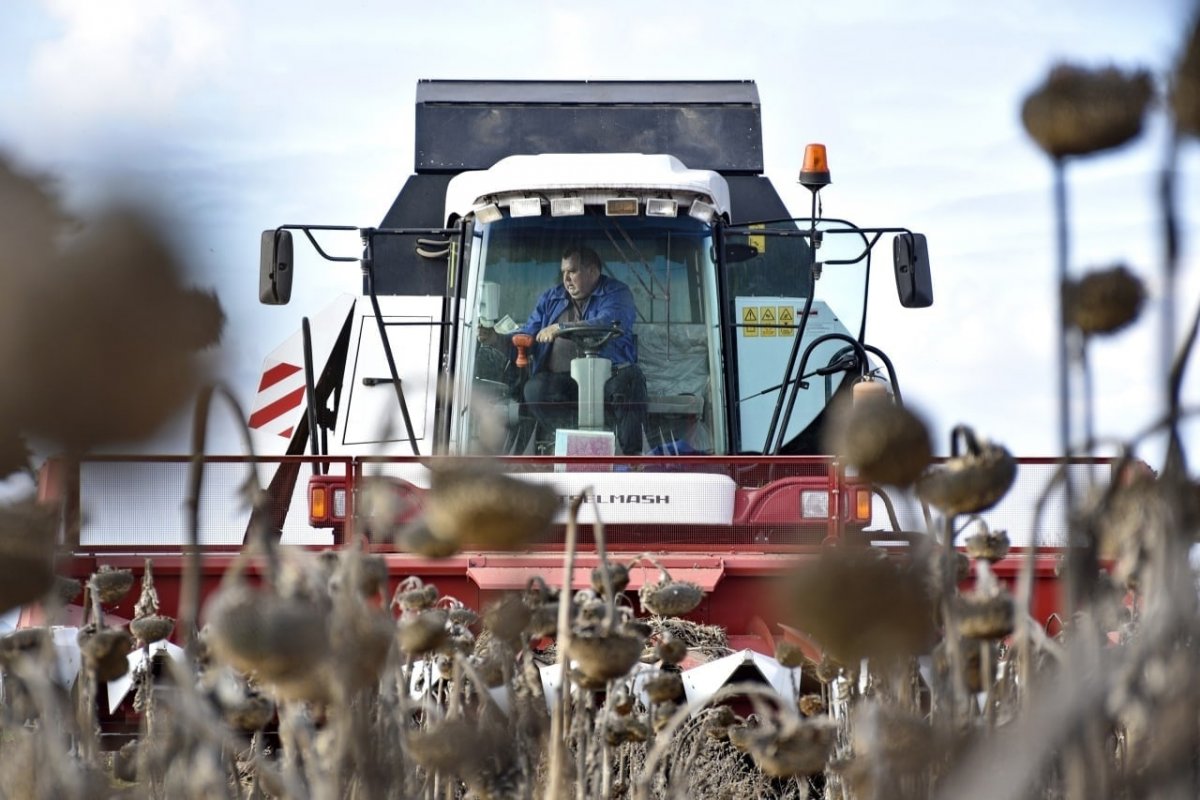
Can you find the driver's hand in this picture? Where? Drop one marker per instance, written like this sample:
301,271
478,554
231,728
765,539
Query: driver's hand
548,333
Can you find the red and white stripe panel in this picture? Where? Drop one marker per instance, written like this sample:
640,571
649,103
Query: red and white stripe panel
279,403
280,393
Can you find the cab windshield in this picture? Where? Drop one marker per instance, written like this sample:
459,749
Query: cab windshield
767,271
632,367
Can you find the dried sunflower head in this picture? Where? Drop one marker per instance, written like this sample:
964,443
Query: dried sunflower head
421,632
618,574
669,597
741,734
887,443
985,616
412,594
112,584
798,747
665,687
384,505
810,705
893,736
417,537
972,482
789,654
663,712
460,614
543,620
1135,519
1185,85
1104,301
604,655
252,712
621,729
283,640
27,537
150,629
474,504
66,589
14,453
507,617
135,375
1078,111
717,722
105,651
858,603
451,746
931,563
671,649
988,545
22,642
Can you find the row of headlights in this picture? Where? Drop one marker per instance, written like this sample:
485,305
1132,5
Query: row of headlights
613,207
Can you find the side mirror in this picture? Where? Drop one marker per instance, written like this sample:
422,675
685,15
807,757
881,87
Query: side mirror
914,282
275,268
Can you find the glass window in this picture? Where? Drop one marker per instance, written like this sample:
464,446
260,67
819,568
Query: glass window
767,270
646,390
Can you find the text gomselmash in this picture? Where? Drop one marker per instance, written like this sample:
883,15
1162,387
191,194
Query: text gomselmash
623,499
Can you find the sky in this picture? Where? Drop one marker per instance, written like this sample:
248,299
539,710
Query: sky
237,117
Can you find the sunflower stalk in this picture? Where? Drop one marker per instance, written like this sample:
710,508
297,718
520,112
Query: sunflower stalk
558,721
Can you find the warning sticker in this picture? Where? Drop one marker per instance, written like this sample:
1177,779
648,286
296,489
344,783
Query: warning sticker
766,315
787,317
749,321
759,243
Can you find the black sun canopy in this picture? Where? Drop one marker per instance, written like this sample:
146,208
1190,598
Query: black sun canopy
464,125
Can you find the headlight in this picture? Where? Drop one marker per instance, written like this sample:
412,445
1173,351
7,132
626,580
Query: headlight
814,504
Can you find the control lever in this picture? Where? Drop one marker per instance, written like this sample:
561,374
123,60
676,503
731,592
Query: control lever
522,341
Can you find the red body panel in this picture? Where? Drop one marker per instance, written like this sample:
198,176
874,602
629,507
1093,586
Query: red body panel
738,564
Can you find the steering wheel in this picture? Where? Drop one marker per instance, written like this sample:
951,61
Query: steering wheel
591,338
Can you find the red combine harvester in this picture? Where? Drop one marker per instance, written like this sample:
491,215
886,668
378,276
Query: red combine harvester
747,323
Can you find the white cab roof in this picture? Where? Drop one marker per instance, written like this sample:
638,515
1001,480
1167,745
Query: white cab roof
554,173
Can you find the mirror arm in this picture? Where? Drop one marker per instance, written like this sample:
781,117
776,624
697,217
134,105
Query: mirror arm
316,246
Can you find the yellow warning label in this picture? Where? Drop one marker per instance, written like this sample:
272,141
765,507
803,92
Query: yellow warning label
759,243
749,321
787,317
766,315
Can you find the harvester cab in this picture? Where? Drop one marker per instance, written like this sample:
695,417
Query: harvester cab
727,294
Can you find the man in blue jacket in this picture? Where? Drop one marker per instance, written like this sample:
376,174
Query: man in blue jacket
585,297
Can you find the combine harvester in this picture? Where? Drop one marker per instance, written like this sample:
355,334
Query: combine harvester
748,324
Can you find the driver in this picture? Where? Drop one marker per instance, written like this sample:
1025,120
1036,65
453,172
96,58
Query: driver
585,297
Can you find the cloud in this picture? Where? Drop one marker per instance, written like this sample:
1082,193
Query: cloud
126,60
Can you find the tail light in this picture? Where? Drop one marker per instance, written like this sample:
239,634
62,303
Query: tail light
318,504
326,500
862,505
